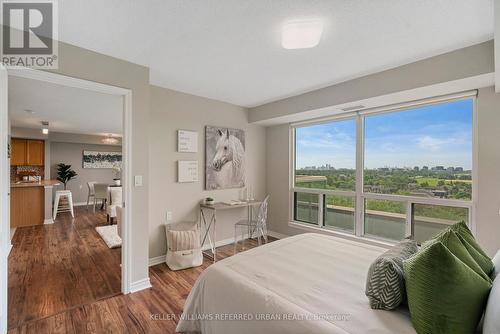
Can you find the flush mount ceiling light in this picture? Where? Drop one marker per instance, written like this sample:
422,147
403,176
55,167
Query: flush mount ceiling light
110,140
29,111
301,34
45,127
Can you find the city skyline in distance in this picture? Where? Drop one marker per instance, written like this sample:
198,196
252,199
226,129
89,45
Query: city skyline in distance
434,135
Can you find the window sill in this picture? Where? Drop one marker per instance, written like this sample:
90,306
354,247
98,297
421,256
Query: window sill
365,240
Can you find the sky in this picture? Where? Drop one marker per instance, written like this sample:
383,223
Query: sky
436,135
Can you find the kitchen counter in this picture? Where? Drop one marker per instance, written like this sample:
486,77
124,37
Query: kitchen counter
43,183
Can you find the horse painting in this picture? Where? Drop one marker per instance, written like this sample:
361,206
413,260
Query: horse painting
225,158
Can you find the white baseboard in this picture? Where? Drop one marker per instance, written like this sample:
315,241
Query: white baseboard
156,260
82,204
161,259
140,285
277,235
48,221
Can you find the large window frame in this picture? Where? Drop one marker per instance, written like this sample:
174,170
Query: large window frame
359,194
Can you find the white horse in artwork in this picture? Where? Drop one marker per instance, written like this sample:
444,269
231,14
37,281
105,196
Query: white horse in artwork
229,161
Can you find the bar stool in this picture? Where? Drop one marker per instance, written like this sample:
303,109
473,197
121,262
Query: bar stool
66,205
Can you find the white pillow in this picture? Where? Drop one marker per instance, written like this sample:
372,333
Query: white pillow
491,323
496,263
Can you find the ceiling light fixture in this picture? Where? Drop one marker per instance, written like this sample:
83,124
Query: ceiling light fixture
301,34
110,140
45,127
29,111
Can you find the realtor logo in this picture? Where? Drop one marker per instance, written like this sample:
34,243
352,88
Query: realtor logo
29,33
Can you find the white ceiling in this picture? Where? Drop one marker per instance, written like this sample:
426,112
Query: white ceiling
67,109
230,50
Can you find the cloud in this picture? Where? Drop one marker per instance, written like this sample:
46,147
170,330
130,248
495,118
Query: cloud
434,144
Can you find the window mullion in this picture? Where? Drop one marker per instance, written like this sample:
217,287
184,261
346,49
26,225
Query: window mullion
409,220
359,175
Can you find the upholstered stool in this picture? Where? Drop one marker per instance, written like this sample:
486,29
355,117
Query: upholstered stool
63,203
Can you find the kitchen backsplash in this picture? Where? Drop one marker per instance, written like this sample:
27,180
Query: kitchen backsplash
16,172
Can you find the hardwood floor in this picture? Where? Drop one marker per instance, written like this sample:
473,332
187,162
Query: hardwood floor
154,310
53,268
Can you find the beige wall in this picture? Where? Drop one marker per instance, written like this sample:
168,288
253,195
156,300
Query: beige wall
488,201
171,111
72,154
85,64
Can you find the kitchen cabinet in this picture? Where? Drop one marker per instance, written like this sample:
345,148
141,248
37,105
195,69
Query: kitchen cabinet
18,152
35,152
27,152
27,206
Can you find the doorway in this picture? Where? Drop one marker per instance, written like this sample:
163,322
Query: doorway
126,105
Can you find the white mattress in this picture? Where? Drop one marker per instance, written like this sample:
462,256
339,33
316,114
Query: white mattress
317,279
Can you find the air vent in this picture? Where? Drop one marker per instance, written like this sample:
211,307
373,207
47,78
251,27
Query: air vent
353,108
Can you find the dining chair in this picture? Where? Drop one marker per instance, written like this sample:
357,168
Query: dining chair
91,193
100,193
258,226
115,202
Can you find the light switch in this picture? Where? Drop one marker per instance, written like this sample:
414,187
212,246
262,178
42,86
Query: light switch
138,180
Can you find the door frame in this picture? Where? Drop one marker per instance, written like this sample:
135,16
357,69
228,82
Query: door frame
127,181
4,199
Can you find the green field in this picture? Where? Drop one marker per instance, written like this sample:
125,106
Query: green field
434,181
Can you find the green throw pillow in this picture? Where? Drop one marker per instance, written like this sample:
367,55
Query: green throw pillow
465,235
444,294
456,246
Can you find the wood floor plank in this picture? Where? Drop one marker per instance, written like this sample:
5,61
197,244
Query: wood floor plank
154,310
53,268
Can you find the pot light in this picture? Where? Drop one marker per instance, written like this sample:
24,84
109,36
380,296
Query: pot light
301,34
45,127
110,140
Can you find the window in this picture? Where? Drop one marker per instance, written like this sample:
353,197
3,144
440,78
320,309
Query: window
325,156
388,174
339,212
306,207
385,219
424,152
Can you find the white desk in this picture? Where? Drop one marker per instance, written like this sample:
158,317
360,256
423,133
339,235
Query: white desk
208,221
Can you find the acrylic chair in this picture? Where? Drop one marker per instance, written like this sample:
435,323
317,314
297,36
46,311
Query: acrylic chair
91,193
100,193
258,226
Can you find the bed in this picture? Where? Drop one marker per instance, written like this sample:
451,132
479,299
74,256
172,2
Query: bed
308,283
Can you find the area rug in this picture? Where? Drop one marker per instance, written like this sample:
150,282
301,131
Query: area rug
109,234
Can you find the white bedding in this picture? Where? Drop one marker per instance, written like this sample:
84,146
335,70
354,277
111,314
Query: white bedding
319,279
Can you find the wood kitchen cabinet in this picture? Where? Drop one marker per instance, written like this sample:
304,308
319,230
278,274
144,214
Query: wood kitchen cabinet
27,152
35,152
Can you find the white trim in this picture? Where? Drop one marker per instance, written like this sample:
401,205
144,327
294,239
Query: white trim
64,80
5,243
277,235
153,261
48,221
496,39
140,285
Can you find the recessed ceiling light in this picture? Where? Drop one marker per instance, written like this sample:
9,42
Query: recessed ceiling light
45,127
301,34
110,140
